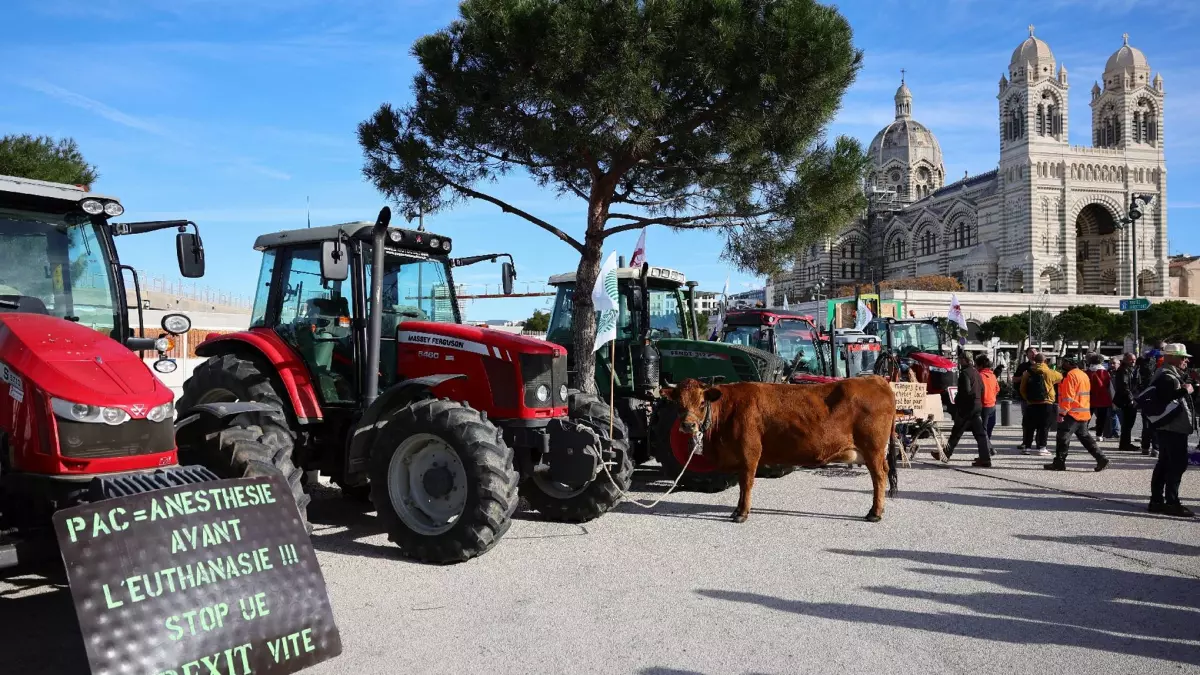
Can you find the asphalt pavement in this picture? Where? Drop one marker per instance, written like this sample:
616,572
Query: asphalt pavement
1005,570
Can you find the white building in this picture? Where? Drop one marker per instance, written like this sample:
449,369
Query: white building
1044,219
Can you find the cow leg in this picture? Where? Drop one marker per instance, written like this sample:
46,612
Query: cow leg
746,483
877,466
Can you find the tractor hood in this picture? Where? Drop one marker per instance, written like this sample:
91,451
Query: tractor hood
76,363
698,359
932,360
445,334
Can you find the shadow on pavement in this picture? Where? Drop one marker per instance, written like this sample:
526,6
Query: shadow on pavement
38,629
1133,613
720,512
1049,500
1137,544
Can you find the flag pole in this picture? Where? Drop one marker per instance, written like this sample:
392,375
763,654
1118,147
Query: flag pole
612,386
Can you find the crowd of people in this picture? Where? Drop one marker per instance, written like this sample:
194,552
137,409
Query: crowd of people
1071,396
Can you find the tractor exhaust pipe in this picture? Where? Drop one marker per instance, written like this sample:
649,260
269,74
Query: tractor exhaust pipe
375,325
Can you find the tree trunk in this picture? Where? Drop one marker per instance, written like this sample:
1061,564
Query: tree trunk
584,308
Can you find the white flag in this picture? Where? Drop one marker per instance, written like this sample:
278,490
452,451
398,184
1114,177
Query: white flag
785,305
721,312
955,313
639,251
864,315
604,297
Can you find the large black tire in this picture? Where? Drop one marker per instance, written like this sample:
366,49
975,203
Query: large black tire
661,423
564,505
233,451
488,470
773,470
240,452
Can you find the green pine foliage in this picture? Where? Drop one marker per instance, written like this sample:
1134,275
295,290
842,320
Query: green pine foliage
44,158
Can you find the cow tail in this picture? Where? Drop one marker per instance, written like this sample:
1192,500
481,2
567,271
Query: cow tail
893,461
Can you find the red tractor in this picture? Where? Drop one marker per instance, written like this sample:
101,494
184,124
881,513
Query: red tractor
377,384
916,344
792,336
82,418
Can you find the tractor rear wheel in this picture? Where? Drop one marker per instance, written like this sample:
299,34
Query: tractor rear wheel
580,503
234,450
663,426
444,485
241,451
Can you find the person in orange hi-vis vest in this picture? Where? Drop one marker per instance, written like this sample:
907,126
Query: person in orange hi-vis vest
991,389
1074,412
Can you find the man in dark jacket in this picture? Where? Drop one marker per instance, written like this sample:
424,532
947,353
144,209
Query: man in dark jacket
1026,421
1167,405
1123,400
968,409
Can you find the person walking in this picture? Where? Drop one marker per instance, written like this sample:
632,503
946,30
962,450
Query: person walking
1167,404
1101,383
1146,370
1037,389
968,412
1074,413
1123,386
1026,423
991,388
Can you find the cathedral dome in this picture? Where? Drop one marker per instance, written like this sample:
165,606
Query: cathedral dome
1126,58
905,155
1037,54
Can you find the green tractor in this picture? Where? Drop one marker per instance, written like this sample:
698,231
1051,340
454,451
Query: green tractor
657,344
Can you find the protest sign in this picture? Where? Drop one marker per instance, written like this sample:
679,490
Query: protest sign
215,578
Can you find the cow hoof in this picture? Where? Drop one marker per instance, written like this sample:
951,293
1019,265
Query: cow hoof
873,517
739,518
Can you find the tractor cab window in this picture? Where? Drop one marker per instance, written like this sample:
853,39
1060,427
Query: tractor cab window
563,314
794,338
58,268
758,337
909,338
314,318
414,289
667,314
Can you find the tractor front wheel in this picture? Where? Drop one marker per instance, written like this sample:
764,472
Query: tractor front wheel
580,503
664,428
446,491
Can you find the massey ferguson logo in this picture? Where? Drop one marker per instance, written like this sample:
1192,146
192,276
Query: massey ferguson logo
137,410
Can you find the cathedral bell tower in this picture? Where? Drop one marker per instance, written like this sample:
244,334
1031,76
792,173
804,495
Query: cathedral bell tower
1033,101
1127,111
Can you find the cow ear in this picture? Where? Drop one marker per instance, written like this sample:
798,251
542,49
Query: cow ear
712,394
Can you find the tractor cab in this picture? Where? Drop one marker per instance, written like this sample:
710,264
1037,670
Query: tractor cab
857,353
917,344
792,336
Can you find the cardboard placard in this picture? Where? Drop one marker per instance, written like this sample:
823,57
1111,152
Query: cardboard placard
216,577
909,395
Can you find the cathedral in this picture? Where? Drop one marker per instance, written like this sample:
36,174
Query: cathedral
1047,218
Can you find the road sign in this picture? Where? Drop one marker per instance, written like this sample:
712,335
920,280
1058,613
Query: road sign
1135,305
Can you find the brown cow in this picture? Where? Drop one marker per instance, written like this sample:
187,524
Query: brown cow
849,421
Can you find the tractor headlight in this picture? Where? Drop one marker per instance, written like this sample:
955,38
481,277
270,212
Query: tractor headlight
161,412
434,242
562,392
113,209
395,236
92,414
164,344
176,324
92,207
166,366
542,393
445,245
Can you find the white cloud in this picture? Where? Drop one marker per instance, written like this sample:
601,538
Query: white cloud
92,105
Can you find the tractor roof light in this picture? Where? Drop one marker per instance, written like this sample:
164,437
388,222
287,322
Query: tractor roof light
396,236
113,209
93,207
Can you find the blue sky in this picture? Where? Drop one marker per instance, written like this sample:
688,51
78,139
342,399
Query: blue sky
233,112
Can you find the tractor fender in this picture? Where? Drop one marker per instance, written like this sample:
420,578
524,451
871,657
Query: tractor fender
219,411
375,417
265,345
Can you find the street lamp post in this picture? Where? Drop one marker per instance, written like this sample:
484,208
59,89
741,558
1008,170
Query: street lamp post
815,292
1137,206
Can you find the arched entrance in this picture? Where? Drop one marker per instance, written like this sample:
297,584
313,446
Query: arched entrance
1016,281
1096,248
1054,280
1148,283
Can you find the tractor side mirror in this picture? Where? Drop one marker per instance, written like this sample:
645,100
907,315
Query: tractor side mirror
507,274
190,251
335,264
636,300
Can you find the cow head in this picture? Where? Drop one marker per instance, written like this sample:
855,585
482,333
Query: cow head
695,401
